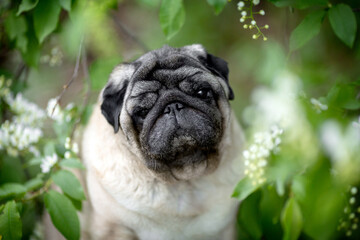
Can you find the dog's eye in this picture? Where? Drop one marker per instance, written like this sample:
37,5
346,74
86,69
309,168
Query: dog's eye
204,93
142,113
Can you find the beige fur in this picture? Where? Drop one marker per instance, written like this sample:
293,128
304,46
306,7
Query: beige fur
128,201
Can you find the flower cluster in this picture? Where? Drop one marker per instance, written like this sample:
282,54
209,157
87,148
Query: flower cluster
54,111
15,136
350,222
54,58
48,162
247,17
70,147
25,112
258,152
342,146
318,106
23,131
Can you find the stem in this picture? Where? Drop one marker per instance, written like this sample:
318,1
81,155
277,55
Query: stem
87,94
39,192
73,77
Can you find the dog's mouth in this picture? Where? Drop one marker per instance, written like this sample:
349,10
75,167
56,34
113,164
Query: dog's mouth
179,136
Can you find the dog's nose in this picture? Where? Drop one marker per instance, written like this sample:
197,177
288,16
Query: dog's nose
173,107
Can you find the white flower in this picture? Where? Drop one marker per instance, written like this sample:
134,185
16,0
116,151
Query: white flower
353,190
318,105
48,162
253,22
262,12
34,151
242,20
243,13
53,110
342,147
240,5
256,156
67,143
26,112
256,2
67,154
14,135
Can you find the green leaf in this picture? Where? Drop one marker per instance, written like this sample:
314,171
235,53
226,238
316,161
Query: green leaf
171,16
72,163
77,203
35,161
69,184
27,5
343,22
33,184
291,220
32,54
49,149
46,16
244,188
218,5
249,215
10,222
12,190
100,71
307,29
343,96
66,4
271,205
63,214
15,26
21,43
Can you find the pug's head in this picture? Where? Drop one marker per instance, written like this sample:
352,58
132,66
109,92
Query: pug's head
172,106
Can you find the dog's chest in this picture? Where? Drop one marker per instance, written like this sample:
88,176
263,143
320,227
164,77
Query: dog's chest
183,211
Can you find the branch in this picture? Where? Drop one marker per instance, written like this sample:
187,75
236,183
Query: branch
87,93
131,35
20,70
73,77
75,73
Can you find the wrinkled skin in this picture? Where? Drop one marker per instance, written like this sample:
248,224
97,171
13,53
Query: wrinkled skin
171,97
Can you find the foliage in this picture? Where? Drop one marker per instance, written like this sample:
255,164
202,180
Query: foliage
302,122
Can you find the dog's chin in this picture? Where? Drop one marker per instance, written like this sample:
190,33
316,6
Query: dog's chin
187,165
190,171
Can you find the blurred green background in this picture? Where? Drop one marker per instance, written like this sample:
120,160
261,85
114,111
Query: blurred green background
310,179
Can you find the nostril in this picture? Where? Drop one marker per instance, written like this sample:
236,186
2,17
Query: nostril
173,107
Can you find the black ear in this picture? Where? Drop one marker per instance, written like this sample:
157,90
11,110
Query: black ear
112,104
220,68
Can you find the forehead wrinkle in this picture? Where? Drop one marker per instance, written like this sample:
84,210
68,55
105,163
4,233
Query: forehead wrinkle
141,87
171,78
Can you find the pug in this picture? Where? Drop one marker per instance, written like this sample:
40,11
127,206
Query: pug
163,149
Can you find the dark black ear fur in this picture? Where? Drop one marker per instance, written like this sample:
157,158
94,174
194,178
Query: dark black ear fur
218,67
112,104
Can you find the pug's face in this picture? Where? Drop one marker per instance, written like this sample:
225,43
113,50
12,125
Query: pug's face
172,106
